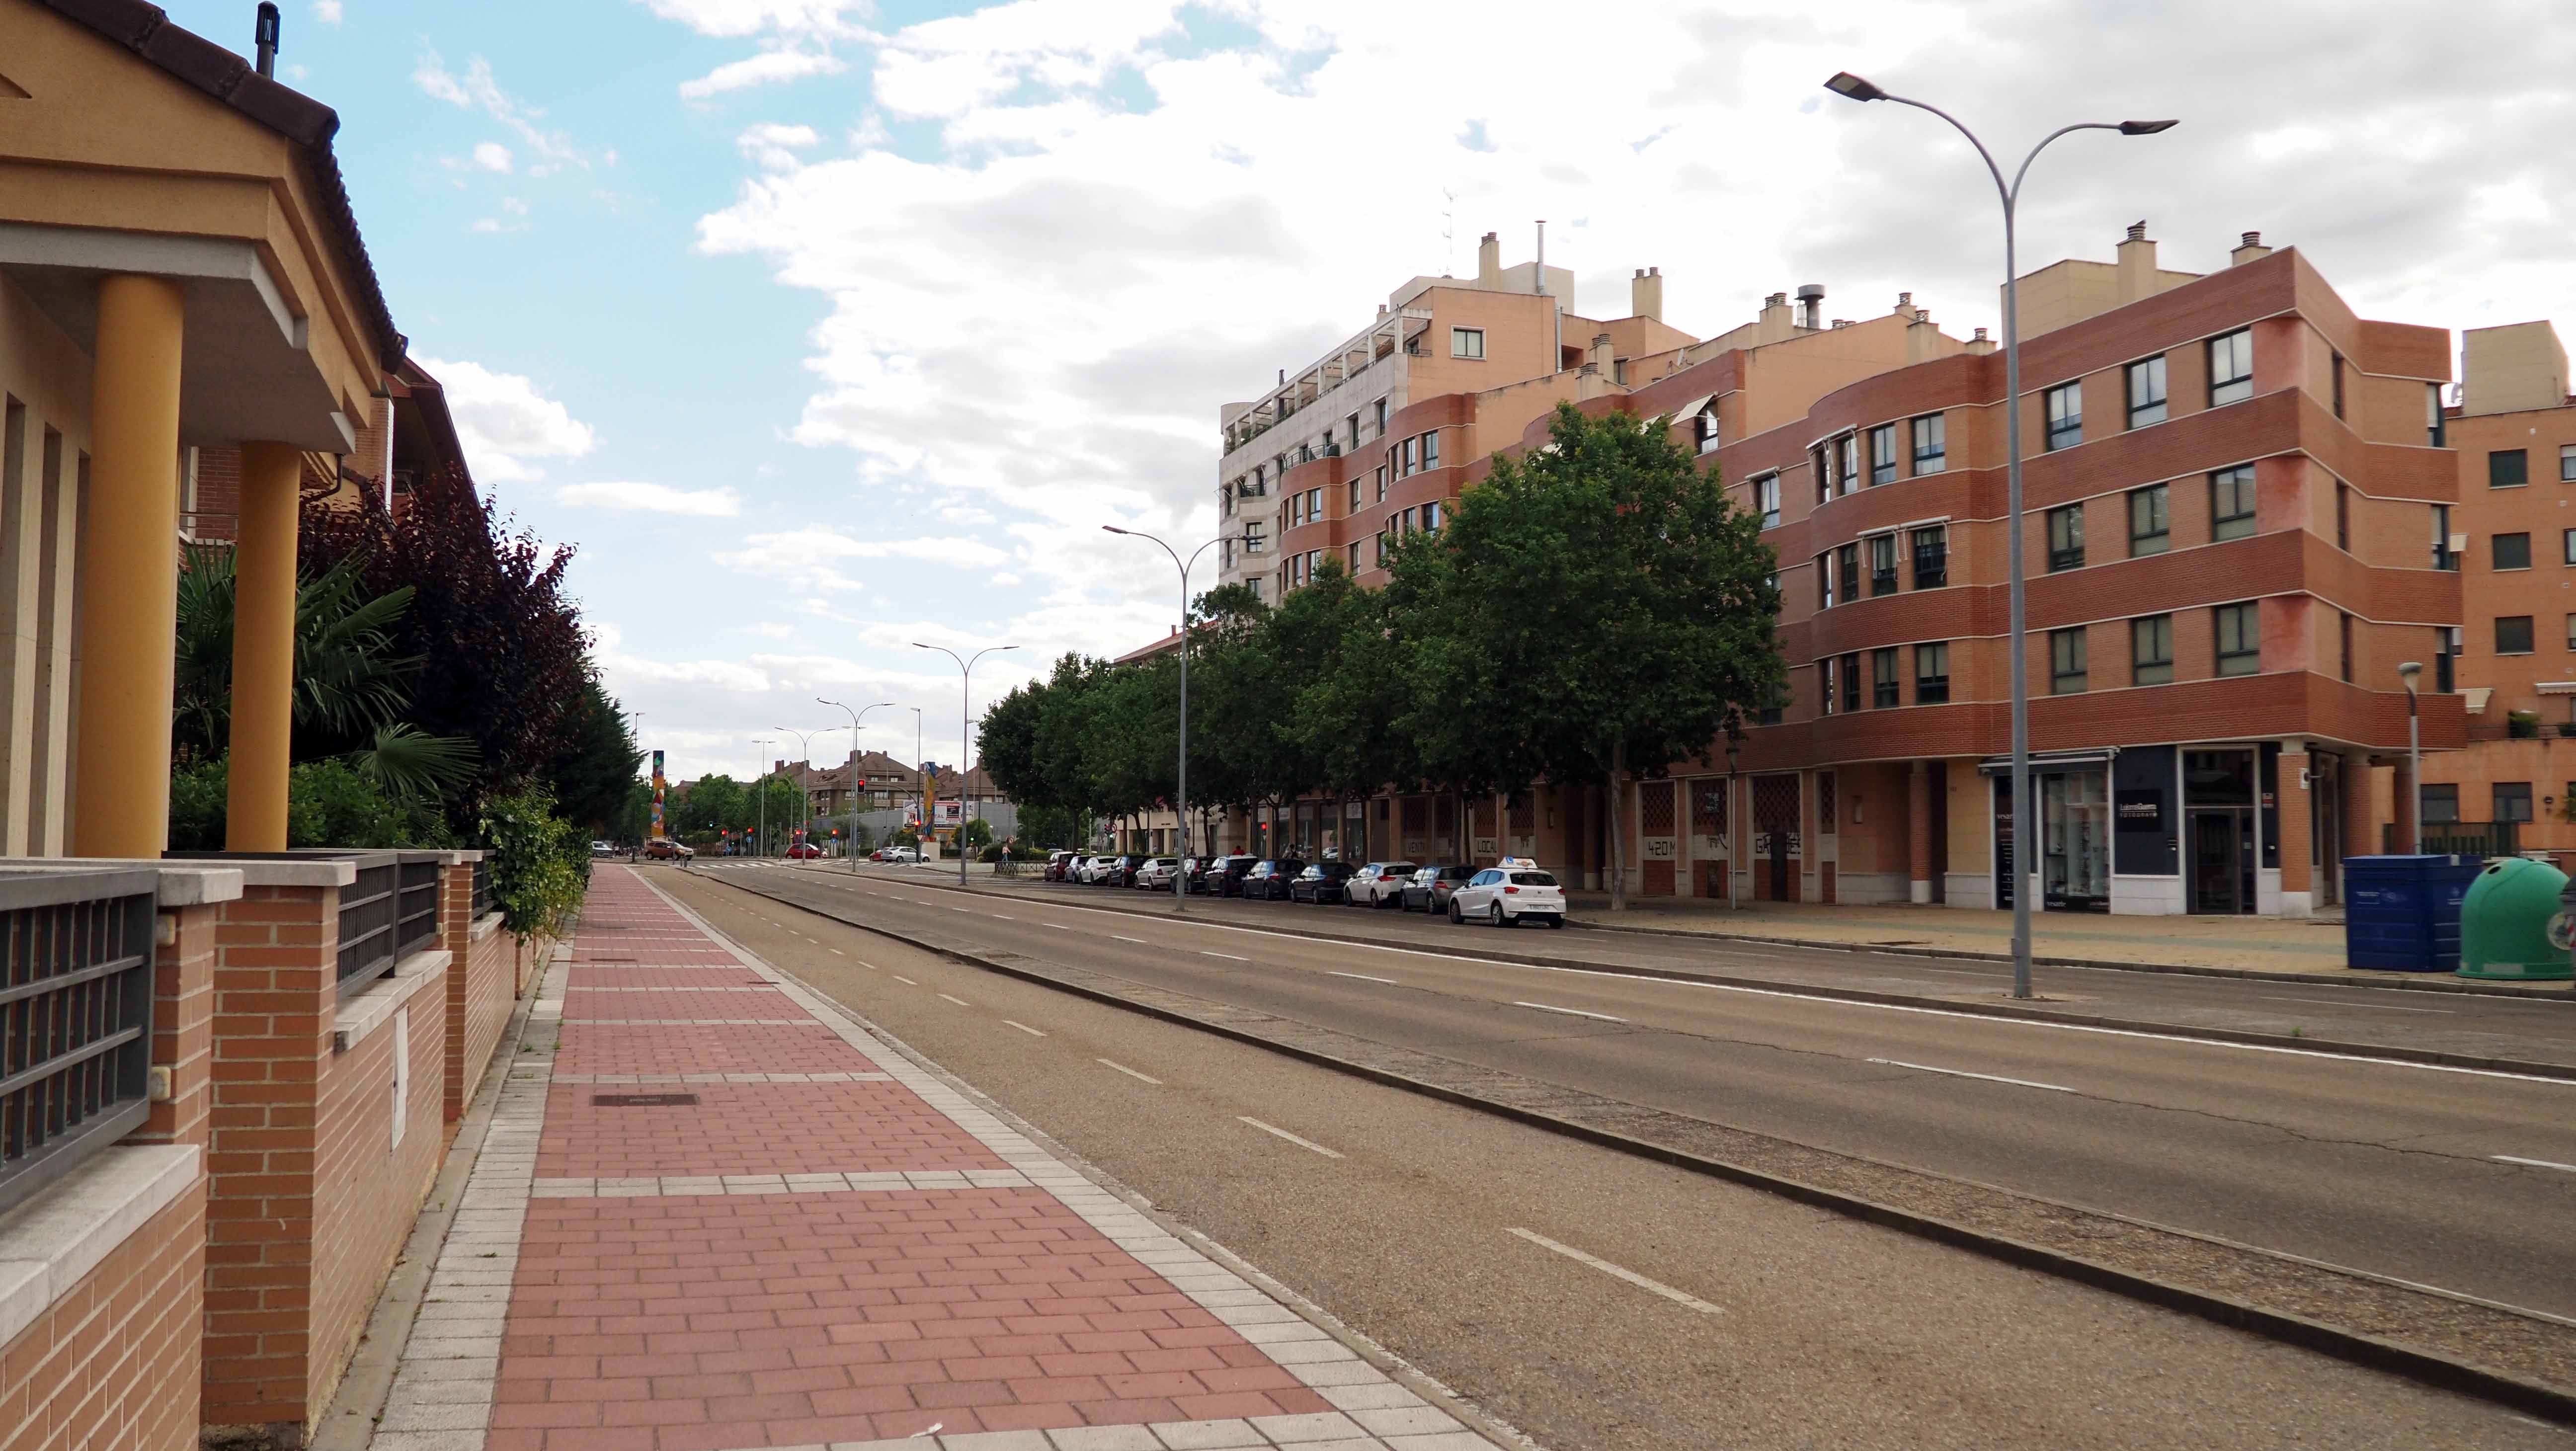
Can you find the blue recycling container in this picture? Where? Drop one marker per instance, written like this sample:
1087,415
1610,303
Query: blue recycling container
2402,913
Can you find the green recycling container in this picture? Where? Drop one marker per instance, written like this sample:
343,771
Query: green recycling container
2512,926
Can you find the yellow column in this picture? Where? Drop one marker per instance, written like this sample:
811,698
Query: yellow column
129,580
263,648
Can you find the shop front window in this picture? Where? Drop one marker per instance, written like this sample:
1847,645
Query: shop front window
2075,825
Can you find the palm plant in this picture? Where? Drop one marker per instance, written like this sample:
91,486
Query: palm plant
349,682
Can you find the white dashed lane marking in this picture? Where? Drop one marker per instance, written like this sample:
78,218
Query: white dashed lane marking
1228,956
1631,1276
1130,1072
1364,977
1023,1027
2535,1163
1292,1138
1570,1012
907,982
1963,1073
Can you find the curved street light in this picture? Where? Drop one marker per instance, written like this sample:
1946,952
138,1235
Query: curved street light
855,717
2025,818
965,725
1181,816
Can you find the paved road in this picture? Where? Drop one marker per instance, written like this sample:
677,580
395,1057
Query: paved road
1491,1255
2393,1169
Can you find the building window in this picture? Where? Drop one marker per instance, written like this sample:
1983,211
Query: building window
1882,454
1412,456
2571,644
1882,679
1931,443
1882,564
2343,517
2151,650
1381,483
2066,538
2512,551
1431,449
2446,649
2433,414
1766,500
1252,536
2513,634
1466,342
1355,559
2338,385
1932,557
1431,515
1847,462
1820,462
1314,504
2231,503
2066,662
1355,498
1851,682
2508,468
2442,556
1825,581
2567,545
1382,538
2065,404
2150,521
2347,649
1825,683
1931,674
2513,801
2240,639
2231,368
2441,803
1704,427
1847,560
2147,391
1381,418
2567,463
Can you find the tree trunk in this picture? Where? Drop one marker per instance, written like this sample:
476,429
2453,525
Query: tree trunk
1618,853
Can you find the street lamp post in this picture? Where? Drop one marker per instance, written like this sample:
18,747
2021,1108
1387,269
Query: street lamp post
965,728
855,717
1181,816
2025,817
2410,672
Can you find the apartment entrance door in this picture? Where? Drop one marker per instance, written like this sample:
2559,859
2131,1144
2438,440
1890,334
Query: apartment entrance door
1775,840
2218,862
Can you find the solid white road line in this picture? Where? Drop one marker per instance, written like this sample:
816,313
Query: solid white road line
1228,956
1570,1012
961,1002
2534,1163
1130,1072
1364,977
1292,1138
2374,1007
1963,1073
1023,1027
907,982
1620,1272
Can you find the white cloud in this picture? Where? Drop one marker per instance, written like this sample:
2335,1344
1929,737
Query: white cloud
492,156
651,499
774,146
477,90
737,18
505,420
327,11
766,68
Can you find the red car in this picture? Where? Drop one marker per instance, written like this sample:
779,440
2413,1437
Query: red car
804,851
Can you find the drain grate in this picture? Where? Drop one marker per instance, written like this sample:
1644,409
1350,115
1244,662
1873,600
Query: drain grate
643,1100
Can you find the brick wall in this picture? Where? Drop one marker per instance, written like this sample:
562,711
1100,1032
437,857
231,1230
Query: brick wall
309,1197
482,984
112,1365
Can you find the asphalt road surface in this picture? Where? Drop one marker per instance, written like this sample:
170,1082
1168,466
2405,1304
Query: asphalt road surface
1599,1301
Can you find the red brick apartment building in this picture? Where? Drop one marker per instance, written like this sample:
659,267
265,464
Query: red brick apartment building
2238,513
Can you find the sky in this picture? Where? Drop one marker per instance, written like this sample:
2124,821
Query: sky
825,327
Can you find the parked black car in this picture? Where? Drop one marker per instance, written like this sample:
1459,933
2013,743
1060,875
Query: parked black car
1430,888
1270,881
1323,882
1227,879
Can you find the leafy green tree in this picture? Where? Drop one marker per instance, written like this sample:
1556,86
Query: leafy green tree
595,760
1591,607
975,834
712,803
1351,689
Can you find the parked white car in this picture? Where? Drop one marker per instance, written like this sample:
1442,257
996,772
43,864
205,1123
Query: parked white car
1503,895
1378,884
1098,868
1156,875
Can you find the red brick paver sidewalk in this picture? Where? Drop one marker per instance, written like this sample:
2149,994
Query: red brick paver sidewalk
729,1218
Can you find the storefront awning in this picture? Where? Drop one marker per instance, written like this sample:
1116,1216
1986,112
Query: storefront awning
2557,687
2050,761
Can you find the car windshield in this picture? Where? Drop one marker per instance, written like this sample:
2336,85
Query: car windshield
1457,874
1312,872
1533,879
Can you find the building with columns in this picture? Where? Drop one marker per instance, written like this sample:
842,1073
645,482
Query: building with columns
182,283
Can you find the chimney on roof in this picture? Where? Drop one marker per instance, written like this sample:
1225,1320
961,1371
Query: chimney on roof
1981,344
1905,305
264,38
1922,338
1489,262
1811,305
1646,293
2137,265
2248,250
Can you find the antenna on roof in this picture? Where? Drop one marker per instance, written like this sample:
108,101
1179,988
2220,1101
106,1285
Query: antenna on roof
1448,232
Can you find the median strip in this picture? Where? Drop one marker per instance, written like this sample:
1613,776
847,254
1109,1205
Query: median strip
1618,1272
1292,1138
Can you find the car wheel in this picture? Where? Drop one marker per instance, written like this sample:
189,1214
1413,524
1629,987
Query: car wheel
1557,922
1457,917
1496,916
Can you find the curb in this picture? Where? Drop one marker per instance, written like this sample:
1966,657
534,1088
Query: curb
2352,1347
2428,1057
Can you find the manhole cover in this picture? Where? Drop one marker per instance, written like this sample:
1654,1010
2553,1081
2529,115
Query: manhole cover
643,1100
